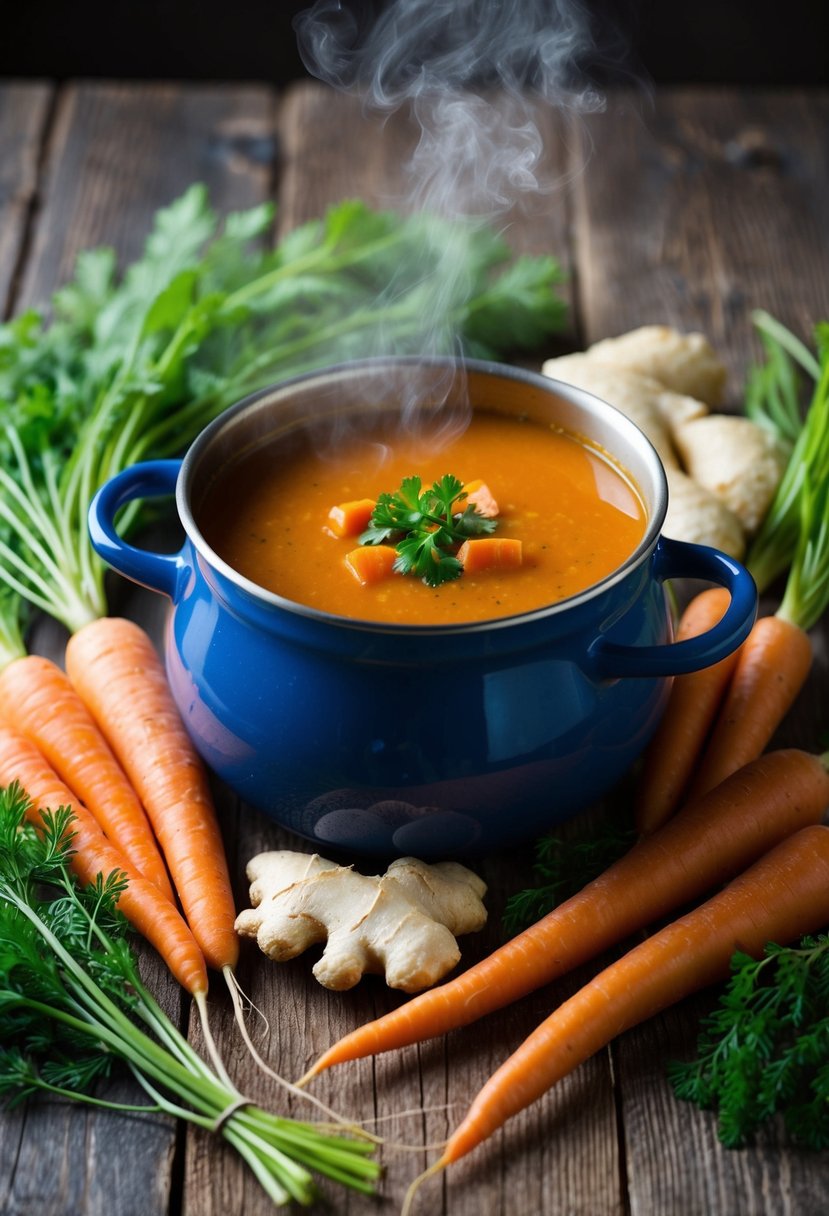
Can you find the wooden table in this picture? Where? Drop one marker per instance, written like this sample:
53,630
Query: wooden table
691,208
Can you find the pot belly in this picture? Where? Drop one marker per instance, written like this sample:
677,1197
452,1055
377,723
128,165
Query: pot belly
387,759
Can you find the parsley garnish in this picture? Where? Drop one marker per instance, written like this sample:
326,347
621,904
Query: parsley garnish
426,527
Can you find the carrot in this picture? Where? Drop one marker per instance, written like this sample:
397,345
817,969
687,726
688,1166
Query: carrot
701,847
120,678
38,699
693,703
490,553
371,563
350,518
772,667
782,897
144,906
479,496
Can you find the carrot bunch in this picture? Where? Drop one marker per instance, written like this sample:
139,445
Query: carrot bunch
721,717
105,739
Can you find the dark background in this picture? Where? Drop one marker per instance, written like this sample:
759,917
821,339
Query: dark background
765,42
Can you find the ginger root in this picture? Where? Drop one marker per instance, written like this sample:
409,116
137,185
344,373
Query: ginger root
402,922
684,363
737,460
697,515
636,396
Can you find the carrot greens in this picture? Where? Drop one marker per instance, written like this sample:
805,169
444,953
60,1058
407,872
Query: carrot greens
73,1007
563,865
764,1050
132,366
773,388
794,516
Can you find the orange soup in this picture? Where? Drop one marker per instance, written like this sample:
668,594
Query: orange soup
576,514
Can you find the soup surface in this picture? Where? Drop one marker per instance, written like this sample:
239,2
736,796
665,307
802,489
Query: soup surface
577,515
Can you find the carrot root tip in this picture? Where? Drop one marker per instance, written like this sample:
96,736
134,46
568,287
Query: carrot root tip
236,996
435,1168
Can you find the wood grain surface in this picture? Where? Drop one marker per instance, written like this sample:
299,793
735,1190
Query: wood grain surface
690,207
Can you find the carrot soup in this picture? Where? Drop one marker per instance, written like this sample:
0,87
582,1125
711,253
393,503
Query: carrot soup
556,516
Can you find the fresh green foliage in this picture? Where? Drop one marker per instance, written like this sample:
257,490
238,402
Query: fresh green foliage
563,865
426,527
773,388
764,1051
133,367
794,534
73,1007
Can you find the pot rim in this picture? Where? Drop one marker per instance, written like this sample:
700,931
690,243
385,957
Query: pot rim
577,396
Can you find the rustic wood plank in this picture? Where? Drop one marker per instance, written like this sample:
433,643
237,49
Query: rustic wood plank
59,1159
330,150
24,113
725,212
701,207
117,153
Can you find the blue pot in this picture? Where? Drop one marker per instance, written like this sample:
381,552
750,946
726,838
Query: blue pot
413,739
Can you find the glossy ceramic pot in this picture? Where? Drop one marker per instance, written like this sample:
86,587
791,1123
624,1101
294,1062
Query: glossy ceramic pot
414,739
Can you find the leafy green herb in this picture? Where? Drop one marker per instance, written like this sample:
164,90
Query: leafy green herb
764,1050
562,867
133,367
73,1006
426,527
794,519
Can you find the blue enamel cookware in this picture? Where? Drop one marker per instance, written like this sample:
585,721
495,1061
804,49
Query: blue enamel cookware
418,740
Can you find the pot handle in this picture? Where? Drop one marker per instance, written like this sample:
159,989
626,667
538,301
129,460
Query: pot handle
151,479
678,559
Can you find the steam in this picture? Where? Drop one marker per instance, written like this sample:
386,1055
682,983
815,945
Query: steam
472,74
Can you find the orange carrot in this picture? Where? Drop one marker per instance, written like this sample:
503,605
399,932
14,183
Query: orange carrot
782,897
697,850
490,553
479,496
150,912
350,518
772,667
119,676
38,700
692,705
371,563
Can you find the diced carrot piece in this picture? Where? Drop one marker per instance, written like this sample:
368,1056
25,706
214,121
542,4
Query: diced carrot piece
350,518
490,553
371,563
479,496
